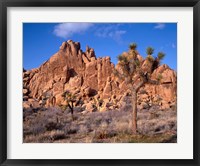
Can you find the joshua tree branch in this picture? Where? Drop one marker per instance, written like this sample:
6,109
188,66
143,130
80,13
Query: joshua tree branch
70,106
139,85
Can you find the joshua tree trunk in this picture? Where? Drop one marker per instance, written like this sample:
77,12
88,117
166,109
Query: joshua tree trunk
134,105
72,110
134,114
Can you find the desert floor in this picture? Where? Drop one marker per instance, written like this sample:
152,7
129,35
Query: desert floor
53,125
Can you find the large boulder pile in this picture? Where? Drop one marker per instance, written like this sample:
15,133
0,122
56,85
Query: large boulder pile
92,80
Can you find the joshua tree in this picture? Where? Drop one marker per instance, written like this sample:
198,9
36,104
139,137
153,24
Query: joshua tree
136,74
70,101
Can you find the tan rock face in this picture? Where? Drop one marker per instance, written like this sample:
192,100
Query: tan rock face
167,88
90,76
71,69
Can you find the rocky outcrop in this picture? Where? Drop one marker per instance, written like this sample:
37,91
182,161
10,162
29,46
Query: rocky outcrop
91,78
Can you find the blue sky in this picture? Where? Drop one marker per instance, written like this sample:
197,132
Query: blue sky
42,40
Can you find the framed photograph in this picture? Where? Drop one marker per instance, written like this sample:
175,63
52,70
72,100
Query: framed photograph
99,82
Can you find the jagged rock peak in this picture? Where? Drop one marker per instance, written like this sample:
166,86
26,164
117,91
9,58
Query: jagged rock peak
70,43
75,48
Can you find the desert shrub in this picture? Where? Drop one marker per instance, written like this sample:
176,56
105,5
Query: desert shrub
56,134
104,135
52,125
163,121
83,129
37,128
46,137
78,109
155,107
159,77
142,115
70,128
63,107
126,107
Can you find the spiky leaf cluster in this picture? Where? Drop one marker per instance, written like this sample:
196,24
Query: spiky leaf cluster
161,55
149,50
69,97
132,70
128,65
133,46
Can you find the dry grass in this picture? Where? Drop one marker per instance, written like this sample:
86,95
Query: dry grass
54,125
48,136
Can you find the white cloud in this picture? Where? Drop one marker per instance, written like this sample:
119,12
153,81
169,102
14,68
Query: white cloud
66,30
104,31
116,35
159,26
110,31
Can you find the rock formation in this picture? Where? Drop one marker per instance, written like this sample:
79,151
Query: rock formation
92,80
